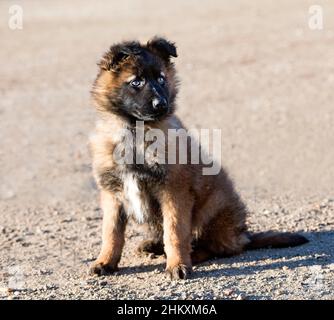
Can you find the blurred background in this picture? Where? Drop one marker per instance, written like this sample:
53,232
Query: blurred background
254,69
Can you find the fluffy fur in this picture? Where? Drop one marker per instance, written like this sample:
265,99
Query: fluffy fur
190,217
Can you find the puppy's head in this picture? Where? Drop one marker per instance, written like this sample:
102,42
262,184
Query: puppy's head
137,81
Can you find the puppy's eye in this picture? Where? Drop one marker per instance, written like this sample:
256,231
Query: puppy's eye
137,83
161,80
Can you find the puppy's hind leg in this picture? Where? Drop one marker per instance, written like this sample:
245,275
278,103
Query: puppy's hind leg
153,246
224,236
200,252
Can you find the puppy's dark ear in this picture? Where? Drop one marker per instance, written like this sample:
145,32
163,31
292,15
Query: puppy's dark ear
112,58
162,47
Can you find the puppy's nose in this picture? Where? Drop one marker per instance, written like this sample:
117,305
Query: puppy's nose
159,103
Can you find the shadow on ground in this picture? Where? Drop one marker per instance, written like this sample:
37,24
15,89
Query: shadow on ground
319,251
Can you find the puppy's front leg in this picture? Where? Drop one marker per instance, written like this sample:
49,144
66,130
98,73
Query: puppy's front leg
177,210
114,222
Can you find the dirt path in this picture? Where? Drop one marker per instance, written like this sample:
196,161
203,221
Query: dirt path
255,70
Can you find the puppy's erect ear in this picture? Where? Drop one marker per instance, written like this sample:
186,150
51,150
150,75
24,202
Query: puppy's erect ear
117,54
162,47
112,58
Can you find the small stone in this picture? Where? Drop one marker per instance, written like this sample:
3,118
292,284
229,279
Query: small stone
40,231
44,272
241,296
184,296
28,233
71,238
285,268
228,292
50,287
25,244
90,282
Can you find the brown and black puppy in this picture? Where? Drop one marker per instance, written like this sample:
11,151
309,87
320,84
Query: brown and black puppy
191,217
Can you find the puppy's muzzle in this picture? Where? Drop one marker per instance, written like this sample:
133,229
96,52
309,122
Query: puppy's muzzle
159,104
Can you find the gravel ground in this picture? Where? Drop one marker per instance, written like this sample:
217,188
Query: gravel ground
254,70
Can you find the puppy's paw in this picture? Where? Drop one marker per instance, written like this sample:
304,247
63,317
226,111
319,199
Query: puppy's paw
179,271
101,269
151,248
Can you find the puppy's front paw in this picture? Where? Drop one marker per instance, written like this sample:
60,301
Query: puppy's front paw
101,269
179,271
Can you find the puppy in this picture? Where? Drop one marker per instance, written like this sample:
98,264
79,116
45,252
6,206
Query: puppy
191,217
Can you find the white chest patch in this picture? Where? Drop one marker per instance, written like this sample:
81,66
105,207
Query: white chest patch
136,204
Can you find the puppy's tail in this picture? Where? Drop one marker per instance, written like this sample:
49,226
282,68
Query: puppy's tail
272,239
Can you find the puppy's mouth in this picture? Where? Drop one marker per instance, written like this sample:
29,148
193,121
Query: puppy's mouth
156,116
